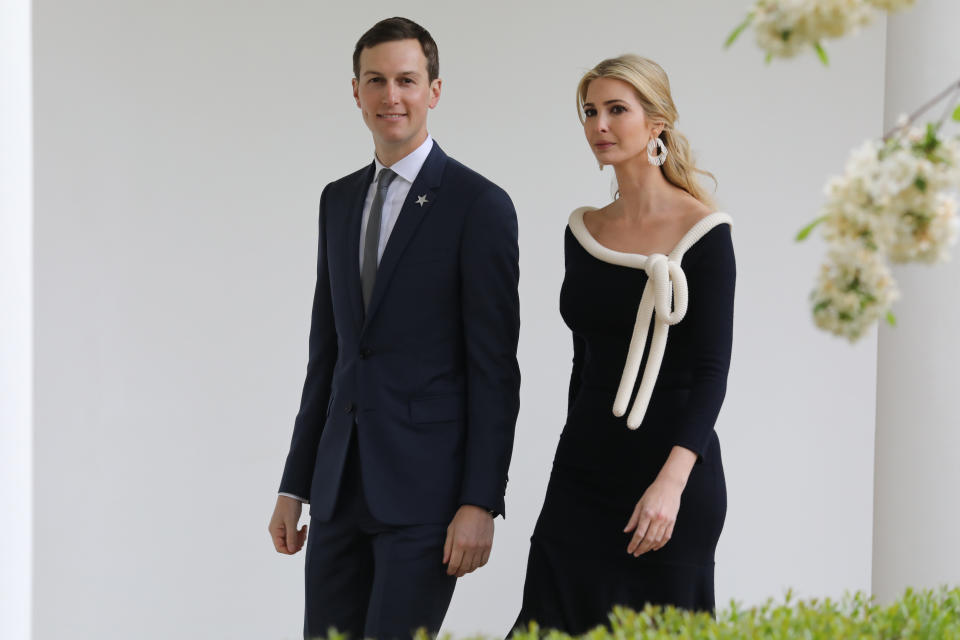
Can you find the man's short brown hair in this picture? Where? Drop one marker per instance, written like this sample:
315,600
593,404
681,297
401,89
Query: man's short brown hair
393,29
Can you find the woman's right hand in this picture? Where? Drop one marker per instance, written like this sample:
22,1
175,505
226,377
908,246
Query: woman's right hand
654,516
656,511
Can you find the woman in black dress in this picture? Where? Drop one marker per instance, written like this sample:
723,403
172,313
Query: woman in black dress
636,499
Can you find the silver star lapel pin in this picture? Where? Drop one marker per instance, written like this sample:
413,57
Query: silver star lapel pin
422,200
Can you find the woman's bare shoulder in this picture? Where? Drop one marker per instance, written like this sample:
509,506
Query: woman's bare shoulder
594,218
691,211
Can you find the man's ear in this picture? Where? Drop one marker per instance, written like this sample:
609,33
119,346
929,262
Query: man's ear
356,90
435,92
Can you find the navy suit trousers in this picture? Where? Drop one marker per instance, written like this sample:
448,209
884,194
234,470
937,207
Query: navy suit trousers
369,579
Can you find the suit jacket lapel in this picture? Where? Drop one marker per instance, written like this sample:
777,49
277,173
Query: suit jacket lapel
411,214
352,268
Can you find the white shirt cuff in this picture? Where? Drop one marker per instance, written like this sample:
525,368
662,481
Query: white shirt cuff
290,495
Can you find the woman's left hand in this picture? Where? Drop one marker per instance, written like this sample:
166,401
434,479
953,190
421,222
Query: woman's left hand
654,516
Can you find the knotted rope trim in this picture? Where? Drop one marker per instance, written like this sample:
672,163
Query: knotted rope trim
666,302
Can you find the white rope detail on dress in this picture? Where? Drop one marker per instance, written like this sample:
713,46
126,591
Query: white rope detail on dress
665,302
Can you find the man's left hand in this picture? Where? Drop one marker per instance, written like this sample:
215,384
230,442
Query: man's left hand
469,539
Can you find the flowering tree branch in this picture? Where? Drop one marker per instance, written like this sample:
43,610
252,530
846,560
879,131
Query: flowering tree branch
894,203
953,88
784,28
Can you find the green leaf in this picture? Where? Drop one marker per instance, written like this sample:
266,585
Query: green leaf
805,232
930,141
921,184
956,113
891,319
768,58
821,53
738,30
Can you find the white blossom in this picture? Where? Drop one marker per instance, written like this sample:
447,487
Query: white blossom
894,201
853,291
784,28
927,237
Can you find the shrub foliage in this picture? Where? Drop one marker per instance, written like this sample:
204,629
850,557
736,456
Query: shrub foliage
917,615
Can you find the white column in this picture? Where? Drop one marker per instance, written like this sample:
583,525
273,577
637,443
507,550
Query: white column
917,473
16,320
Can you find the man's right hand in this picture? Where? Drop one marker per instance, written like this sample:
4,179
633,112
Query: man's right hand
283,526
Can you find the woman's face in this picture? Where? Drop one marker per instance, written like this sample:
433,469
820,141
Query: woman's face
615,124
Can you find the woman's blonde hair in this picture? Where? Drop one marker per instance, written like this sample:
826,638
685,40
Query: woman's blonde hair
652,87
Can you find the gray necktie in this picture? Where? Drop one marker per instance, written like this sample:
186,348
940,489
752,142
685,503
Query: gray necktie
371,241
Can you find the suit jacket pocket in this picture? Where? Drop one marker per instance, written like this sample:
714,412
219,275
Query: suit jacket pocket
445,408
413,259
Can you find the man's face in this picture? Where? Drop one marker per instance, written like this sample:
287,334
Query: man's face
394,92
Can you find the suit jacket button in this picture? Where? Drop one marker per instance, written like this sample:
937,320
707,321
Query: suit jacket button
349,407
365,353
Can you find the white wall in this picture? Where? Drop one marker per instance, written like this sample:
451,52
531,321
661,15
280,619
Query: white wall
16,320
181,149
916,523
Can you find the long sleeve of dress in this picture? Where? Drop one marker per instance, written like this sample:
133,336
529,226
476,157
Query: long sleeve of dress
711,278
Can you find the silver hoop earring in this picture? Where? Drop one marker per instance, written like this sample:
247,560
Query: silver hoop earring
656,159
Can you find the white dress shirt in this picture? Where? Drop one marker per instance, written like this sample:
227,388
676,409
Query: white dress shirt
406,170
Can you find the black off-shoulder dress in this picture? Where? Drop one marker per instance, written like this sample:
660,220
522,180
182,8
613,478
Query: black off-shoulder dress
578,566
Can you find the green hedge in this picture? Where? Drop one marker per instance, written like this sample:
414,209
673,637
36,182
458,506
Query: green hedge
917,615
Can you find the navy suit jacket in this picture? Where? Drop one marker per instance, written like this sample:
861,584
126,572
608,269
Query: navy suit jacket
429,373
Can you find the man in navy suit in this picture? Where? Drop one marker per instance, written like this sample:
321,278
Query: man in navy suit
405,429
